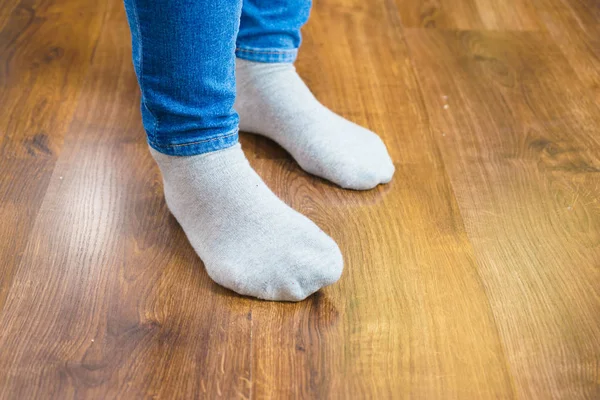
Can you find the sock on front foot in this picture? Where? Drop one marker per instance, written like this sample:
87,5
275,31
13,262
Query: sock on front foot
273,101
249,240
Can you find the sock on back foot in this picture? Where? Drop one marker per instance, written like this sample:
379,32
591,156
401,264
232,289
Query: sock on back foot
273,101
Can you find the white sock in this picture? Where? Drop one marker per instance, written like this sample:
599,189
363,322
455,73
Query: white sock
250,241
273,101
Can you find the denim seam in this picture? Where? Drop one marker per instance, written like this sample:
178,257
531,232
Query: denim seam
151,134
291,51
225,136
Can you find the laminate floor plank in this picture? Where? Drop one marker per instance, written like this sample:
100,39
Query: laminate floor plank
44,58
506,15
519,137
575,27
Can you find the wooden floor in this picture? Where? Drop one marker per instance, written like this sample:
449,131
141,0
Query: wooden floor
475,274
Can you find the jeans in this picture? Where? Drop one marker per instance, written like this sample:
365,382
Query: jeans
184,58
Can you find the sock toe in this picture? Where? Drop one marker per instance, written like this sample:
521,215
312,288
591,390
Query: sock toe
387,171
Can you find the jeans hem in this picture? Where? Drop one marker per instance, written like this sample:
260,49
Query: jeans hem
267,55
197,147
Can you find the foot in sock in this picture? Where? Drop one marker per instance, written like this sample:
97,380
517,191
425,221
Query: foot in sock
273,101
250,241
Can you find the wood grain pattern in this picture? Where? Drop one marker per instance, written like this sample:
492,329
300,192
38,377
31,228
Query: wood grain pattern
506,15
474,274
575,27
44,56
528,187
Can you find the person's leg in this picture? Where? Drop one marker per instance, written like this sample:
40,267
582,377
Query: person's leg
272,100
249,240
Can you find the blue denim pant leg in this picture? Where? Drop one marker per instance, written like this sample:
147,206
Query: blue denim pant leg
270,30
184,58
